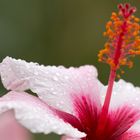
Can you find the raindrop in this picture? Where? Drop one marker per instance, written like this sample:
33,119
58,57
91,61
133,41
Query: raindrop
55,78
54,93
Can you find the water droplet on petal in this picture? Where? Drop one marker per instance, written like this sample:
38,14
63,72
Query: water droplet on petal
55,78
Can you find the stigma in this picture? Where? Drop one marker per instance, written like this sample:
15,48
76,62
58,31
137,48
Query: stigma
123,32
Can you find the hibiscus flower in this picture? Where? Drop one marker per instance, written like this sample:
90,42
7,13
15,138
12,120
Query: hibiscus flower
72,101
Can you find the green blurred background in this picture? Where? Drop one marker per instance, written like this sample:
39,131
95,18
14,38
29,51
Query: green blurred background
59,32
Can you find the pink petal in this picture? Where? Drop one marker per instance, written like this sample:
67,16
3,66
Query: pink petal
53,84
35,115
118,122
130,135
10,129
87,111
123,119
133,133
135,127
123,94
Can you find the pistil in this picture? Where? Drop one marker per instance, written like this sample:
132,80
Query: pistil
124,41
113,70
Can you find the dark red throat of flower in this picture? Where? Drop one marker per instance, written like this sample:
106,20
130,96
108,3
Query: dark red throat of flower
123,32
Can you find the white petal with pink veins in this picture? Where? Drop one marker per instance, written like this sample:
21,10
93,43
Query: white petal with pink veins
124,93
35,115
136,127
53,84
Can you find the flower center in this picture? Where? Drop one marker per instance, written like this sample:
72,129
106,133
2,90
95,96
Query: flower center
123,44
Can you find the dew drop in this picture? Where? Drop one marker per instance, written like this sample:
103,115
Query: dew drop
55,78
66,77
36,73
54,93
58,74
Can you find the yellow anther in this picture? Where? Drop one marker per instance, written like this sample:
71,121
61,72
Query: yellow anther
132,16
123,32
108,25
118,23
110,33
122,71
118,76
136,19
132,52
114,14
137,52
123,61
130,64
104,33
135,33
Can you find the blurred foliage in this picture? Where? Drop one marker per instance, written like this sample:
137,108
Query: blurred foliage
59,32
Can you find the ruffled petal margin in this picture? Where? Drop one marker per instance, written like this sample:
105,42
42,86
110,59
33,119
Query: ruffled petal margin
35,115
55,85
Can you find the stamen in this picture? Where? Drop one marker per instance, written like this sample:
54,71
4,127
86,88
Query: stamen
123,32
